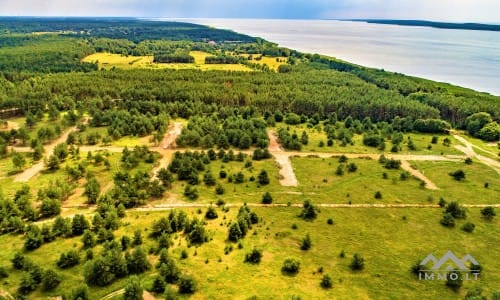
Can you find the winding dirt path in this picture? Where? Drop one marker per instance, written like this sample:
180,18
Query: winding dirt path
168,141
49,149
468,149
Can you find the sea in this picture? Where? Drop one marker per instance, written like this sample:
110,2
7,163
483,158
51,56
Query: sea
462,57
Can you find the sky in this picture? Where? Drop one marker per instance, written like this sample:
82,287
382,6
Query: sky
439,10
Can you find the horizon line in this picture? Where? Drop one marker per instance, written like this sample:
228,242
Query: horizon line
253,18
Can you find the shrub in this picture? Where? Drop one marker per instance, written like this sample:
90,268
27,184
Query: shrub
306,242
352,167
68,259
267,198
458,175
468,227
254,256
447,220
3,273
378,195
326,282
211,213
50,280
309,211
468,161
357,263
133,289
263,178
330,221
187,284
488,213
158,285
80,293
455,210
454,280
291,265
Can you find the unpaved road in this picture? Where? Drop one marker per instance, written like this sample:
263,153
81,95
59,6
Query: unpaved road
49,149
416,173
287,175
168,141
468,149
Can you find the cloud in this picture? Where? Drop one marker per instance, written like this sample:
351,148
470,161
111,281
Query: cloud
456,10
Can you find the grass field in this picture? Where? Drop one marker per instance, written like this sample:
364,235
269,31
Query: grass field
471,190
324,186
109,60
272,62
390,246
421,141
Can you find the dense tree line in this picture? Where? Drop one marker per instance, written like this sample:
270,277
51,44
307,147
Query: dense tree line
226,59
223,132
121,28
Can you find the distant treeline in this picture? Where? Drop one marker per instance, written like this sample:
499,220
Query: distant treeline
443,25
121,28
173,58
222,60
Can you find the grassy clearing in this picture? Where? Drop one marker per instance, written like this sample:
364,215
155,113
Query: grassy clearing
389,246
247,191
471,190
325,186
272,62
421,141
109,60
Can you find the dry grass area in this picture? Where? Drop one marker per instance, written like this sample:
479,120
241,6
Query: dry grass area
110,60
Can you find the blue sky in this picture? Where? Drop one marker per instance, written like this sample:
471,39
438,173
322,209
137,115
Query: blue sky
447,10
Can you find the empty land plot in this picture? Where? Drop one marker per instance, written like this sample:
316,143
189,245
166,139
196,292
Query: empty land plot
319,176
471,190
110,60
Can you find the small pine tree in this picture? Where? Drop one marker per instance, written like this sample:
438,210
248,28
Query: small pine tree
133,289
267,198
326,282
306,242
357,263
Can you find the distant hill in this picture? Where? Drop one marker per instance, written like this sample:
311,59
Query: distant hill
442,25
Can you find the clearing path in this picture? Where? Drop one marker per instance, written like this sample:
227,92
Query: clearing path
405,165
168,141
49,149
287,175
468,149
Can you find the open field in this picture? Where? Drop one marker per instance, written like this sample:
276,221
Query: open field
471,190
109,60
272,62
422,142
390,246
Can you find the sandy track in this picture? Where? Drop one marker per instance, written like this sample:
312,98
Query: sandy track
468,149
168,141
170,206
38,167
287,174
405,165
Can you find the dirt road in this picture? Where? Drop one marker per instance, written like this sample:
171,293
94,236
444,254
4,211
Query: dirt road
168,141
468,149
49,149
287,175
